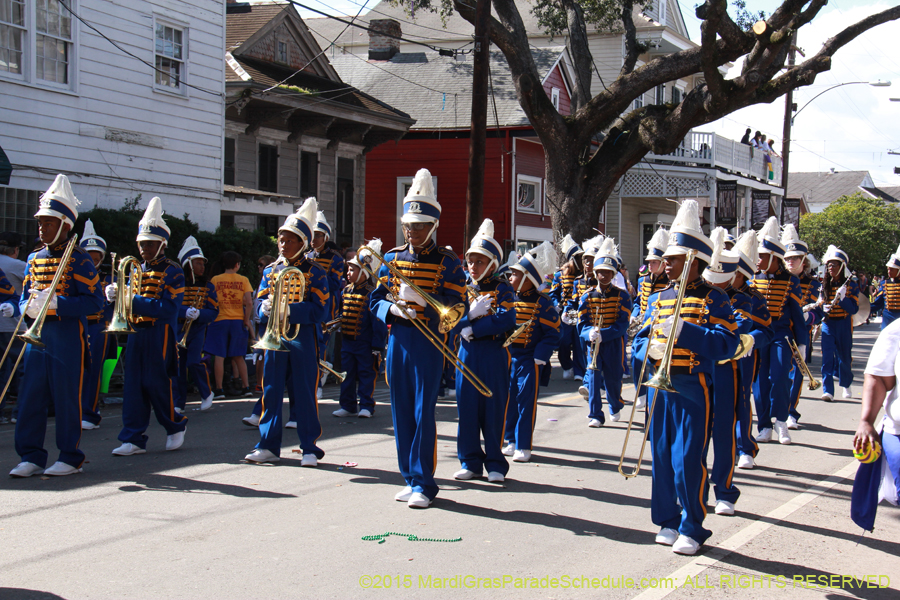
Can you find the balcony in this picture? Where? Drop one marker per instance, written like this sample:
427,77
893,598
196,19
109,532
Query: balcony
712,151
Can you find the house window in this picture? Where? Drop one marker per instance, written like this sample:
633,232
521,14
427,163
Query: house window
639,102
343,226
281,53
676,95
268,168
230,149
170,55
268,224
16,210
309,174
554,98
529,194
37,41
661,93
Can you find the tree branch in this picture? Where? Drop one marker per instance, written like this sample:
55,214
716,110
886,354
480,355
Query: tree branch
709,58
632,48
579,50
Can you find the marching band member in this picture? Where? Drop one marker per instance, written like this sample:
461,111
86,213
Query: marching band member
363,339
570,352
414,364
747,249
199,308
333,264
532,349
298,367
729,375
887,299
100,342
53,372
581,286
795,261
151,356
603,321
838,302
704,332
491,317
772,388
654,281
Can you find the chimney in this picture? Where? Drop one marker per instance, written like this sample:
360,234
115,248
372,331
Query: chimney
383,39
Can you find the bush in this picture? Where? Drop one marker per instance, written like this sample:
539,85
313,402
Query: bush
120,228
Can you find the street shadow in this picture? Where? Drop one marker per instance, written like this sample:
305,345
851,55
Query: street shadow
580,527
154,482
23,594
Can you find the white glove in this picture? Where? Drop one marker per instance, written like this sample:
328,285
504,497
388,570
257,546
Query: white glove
480,306
565,318
559,309
40,297
842,291
595,335
403,313
266,306
191,314
540,362
467,333
826,308
410,295
111,293
802,349
7,310
671,322
657,349
809,307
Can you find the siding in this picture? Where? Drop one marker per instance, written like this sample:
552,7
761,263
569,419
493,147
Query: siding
629,238
178,154
555,80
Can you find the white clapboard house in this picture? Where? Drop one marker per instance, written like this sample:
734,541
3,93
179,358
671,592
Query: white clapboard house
126,98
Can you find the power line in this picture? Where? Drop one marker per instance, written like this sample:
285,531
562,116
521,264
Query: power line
132,55
396,18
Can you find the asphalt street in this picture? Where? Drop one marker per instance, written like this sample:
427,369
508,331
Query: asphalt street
200,523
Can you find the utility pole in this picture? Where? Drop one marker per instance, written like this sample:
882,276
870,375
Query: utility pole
788,120
478,132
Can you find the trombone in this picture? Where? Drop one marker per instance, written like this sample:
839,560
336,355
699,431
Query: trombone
448,318
33,334
128,283
519,330
814,383
595,347
187,326
662,379
289,279
340,375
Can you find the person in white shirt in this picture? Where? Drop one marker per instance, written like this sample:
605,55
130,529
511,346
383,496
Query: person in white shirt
880,389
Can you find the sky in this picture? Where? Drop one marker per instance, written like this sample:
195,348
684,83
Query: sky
850,128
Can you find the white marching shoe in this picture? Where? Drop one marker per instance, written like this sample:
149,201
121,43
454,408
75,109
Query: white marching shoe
641,402
25,469
496,477
522,456
418,500
666,536
206,403
793,423
290,425
464,475
342,412
128,449
509,449
404,495
765,435
87,425
723,507
251,421
364,413
846,393
60,469
569,374
260,456
745,461
685,545
584,392
784,436
176,440
615,417
309,460
826,397
595,423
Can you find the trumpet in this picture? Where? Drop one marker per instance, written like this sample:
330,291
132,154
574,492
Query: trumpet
187,326
472,294
662,379
340,375
814,383
448,318
598,318
33,334
289,279
128,283
519,331
331,326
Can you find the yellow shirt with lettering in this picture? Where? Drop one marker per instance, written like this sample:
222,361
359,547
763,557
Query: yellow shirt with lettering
230,290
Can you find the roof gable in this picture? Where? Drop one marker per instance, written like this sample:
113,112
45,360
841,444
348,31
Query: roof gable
275,33
822,188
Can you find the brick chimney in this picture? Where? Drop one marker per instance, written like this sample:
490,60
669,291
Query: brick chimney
383,42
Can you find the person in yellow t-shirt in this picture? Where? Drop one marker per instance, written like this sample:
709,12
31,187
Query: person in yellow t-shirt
228,335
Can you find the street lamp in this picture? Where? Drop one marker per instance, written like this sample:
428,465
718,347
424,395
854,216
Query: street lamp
789,122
